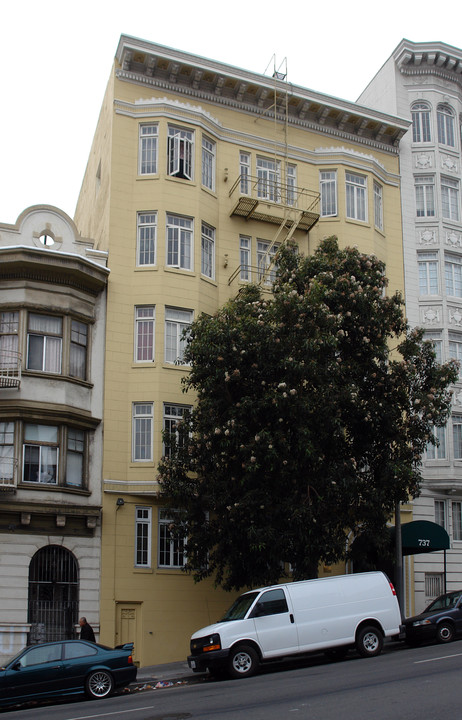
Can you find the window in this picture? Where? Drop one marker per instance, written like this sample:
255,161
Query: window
208,163
425,196
445,119
272,602
434,585
146,238
450,199
457,520
208,251
457,436
177,322
180,153
40,462
356,198
440,513
244,257
179,242
453,275
291,184
172,416
244,167
328,189
44,343
6,453
437,452
378,206
144,333
143,536
9,326
265,260
269,179
420,123
75,457
455,348
142,432
78,350
435,339
428,273
171,549
148,150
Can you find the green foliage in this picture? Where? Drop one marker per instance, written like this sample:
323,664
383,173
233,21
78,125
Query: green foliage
306,427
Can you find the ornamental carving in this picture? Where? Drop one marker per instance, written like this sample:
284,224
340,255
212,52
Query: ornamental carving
423,160
428,236
453,238
458,398
449,163
455,317
431,316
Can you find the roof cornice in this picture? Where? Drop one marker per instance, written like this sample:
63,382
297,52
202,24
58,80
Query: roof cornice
429,58
153,65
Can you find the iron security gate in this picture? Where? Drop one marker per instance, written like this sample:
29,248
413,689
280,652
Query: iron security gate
53,595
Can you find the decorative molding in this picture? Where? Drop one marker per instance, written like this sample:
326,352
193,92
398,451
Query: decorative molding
428,236
453,238
424,160
455,316
449,163
431,316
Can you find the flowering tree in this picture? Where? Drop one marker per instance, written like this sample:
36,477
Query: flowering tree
307,427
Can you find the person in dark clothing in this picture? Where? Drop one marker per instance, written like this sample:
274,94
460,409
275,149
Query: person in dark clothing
86,630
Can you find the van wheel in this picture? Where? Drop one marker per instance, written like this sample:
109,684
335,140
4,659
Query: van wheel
369,641
243,661
445,632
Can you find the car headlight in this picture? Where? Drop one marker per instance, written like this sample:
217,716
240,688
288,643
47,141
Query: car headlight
418,623
213,642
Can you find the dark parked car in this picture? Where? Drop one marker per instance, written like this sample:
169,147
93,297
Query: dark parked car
440,621
66,668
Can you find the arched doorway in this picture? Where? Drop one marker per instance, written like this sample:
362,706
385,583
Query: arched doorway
53,594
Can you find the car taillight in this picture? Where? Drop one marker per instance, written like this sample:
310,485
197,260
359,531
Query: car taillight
392,589
130,659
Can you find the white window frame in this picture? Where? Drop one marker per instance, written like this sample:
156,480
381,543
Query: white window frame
180,242
48,453
144,340
177,320
171,552
142,428
421,128
291,182
450,199
172,415
51,341
245,257
356,196
143,536
146,238
453,274
378,205
328,190
180,152
244,168
437,452
425,195
457,436
208,251
265,254
208,163
456,507
148,148
445,122
269,179
428,273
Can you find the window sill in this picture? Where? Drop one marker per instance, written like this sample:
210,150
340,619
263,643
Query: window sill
143,570
183,181
211,281
210,192
145,268
148,176
172,366
329,218
145,364
361,223
24,485
179,271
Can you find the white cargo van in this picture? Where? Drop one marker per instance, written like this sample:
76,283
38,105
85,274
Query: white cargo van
330,614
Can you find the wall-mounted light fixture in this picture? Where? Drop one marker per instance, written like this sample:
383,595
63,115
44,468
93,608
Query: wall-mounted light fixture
120,502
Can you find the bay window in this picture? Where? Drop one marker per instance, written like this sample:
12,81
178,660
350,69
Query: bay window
180,152
356,196
44,343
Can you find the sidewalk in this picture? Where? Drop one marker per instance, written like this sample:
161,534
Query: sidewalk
175,673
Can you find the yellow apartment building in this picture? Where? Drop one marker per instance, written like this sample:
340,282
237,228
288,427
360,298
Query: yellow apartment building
197,172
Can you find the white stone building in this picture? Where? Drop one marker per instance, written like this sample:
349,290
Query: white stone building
52,336
423,82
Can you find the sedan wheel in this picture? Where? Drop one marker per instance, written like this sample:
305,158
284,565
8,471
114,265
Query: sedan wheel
99,684
445,632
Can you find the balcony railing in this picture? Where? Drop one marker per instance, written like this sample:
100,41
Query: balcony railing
271,201
8,474
10,369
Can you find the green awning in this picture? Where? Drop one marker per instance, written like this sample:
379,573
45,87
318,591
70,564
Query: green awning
423,536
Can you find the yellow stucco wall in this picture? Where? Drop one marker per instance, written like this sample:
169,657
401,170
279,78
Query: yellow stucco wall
163,607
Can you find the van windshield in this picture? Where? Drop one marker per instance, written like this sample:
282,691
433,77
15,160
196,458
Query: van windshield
239,608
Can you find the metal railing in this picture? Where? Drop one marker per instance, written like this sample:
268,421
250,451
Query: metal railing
8,473
10,369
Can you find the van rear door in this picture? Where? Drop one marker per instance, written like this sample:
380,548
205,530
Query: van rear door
274,623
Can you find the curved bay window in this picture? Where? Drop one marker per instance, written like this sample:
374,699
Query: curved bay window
421,122
54,455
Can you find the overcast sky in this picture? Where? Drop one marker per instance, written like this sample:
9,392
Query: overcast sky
57,58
